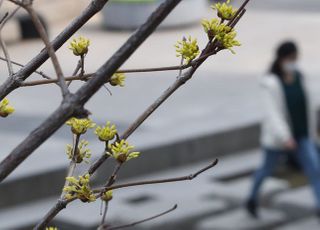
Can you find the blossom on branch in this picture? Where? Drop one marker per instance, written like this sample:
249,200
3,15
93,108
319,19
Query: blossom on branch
79,188
188,49
118,79
228,40
5,108
225,10
80,126
107,196
121,151
79,46
107,132
224,34
81,153
213,27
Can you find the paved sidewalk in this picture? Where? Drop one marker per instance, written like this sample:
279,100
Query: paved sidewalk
224,94
212,201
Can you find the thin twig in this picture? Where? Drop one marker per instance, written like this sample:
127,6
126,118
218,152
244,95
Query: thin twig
89,75
50,81
4,16
110,182
211,49
2,42
73,163
142,221
73,103
13,83
43,34
75,72
41,73
160,181
113,176
59,206
104,215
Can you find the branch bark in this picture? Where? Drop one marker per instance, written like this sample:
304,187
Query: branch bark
14,82
142,221
43,34
61,204
210,50
2,42
72,105
161,181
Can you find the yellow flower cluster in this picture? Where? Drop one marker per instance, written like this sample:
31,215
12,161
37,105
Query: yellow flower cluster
79,188
215,28
51,228
225,10
80,126
228,40
107,196
121,151
223,33
118,79
79,46
188,49
81,153
5,108
107,132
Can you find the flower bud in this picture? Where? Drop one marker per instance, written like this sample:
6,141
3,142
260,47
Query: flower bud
5,108
107,196
79,46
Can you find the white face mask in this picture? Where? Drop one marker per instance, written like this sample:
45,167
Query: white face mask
290,67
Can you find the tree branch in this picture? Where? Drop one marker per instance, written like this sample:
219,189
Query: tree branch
14,82
110,182
161,181
140,70
42,32
72,104
142,221
3,44
61,204
210,50
37,72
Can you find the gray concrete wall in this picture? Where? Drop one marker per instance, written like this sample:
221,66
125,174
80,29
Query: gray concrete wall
157,158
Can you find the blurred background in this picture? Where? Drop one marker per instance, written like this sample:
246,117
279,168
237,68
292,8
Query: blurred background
216,115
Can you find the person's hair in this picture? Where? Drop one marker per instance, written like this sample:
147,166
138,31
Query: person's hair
284,50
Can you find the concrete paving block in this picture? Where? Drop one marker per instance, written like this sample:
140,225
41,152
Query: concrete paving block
239,219
308,224
24,215
239,189
302,197
220,98
245,162
128,15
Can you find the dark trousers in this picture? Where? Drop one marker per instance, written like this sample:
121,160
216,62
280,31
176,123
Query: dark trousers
306,155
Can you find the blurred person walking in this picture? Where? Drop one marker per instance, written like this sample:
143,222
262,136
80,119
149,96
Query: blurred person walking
289,124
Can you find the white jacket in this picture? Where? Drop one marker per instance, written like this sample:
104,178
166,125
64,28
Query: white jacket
275,126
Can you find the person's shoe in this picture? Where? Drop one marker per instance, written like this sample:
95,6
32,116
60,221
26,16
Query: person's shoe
251,207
